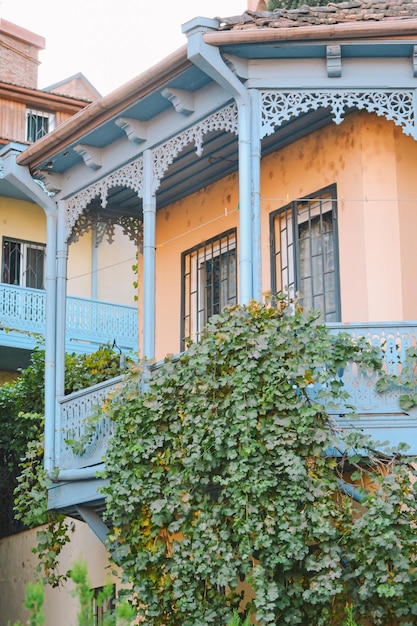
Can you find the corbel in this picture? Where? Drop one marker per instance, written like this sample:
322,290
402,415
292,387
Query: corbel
50,181
90,155
334,61
183,101
135,130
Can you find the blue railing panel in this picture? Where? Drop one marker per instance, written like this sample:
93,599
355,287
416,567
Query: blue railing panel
89,323
378,414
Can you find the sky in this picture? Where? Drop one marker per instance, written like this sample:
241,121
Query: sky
109,41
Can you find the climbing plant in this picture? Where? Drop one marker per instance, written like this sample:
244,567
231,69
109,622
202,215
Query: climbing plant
228,471
23,481
292,4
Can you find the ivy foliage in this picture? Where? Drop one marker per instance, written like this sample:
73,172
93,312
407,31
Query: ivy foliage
220,475
274,5
23,482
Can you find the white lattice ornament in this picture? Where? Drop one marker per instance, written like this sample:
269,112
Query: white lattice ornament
165,154
130,175
281,106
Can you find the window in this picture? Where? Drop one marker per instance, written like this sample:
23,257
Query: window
304,252
38,124
23,263
209,282
102,604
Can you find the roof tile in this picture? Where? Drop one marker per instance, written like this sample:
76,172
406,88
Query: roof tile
332,13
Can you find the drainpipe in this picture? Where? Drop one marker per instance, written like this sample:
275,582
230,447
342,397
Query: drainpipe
149,247
349,490
209,60
256,192
20,177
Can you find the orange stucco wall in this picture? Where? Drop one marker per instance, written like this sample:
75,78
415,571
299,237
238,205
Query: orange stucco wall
371,162
187,223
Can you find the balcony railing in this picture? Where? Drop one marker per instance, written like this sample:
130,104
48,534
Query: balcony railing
89,323
75,411
377,413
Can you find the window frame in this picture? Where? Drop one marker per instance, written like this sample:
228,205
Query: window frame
39,115
194,313
326,193
99,610
23,269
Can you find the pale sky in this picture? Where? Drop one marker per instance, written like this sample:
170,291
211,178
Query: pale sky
109,41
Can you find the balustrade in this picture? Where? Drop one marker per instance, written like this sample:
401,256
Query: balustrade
75,411
378,413
393,338
89,323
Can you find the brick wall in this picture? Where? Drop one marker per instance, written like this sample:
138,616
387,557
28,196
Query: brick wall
19,49
18,62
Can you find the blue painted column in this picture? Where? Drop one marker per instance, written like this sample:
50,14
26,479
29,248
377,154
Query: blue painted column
256,193
245,208
61,297
149,256
50,340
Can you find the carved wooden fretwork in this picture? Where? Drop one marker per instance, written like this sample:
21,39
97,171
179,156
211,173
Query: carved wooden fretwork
393,104
165,154
105,227
131,175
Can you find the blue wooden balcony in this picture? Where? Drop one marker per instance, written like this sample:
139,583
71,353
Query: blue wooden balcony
90,323
379,414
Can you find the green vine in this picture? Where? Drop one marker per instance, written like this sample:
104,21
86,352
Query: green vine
218,473
406,380
21,446
274,5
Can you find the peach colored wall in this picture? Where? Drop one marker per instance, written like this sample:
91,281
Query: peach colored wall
187,223
17,567
407,194
371,161
356,155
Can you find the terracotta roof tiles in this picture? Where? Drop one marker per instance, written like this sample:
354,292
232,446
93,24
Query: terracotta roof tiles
332,13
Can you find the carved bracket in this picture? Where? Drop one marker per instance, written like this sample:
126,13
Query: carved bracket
334,61
183,101
134,129
130,175
90,155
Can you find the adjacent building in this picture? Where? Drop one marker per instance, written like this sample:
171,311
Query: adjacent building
28,113
100,279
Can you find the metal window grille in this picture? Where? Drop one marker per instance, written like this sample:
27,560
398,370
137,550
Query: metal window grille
38,124
23,263
304,252
209,282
